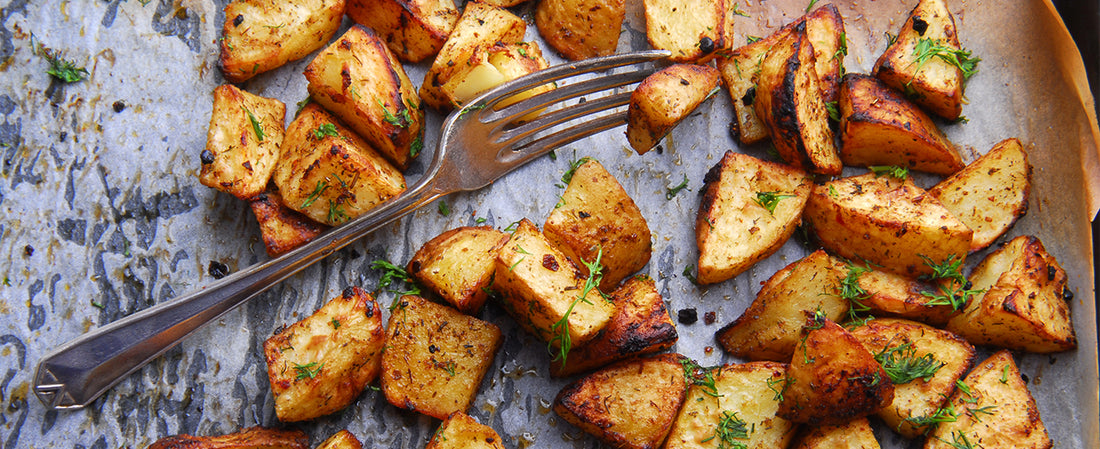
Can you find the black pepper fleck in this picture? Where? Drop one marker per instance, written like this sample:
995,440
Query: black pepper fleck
206,157
706,44
237,21
28,251
687,316
119,106
217,269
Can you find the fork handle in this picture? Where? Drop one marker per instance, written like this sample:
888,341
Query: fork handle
74,374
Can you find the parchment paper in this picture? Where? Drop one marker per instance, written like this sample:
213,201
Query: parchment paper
102,215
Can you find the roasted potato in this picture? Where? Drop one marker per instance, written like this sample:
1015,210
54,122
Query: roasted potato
994,409
1023,305
990,193
322,363
435,357
749,209
595,217
260,35
490,67
886,221
912,63
461,431
328,173
628,405
738,69
413,29
855,434
664,99
825,30
581,29
769,328
693,30
739,407
458,265
341,440
878,126
242,143
641,325
282,228
361,81
250,438
891,294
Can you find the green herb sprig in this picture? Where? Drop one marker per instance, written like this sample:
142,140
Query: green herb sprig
255,125
671,192
391,273
328,129
769,200
60,68
903,365
560,329
928,48
701,376
893,171
956,291
730,429
308,370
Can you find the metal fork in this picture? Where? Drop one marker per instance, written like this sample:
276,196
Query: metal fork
480,143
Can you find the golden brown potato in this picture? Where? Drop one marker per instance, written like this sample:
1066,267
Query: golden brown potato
891,294
490,67
1023,305
581,29
361,81
664,99
738,408
261,35
329,173
825,30
413,29
435,357
855,434
878,126
458,265
641,325
994,409
886,221
990,193
629,405
242,143
250,438
912,64
769,328
320,364
750,208
594,217
282,228
341,440
461,431
832,378
738,70
691,29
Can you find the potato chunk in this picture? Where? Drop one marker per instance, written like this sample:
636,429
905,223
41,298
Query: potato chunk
461,431
990,193
361,81
490,67
664,99
250,438
321,364
878,126
691,29
594,217
329,173
341,440
581,29
629,405
1023,305
458,265
260,35
750,208
413,29
825,30
855,434
435,357
282,228
891,294
242,143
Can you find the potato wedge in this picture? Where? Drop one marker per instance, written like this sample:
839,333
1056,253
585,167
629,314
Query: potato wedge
738,69
664,99
629,405
322,363
413,29
749,209
458,265
581,29
361,81
250,438
691,29
242,143
462,431
493,66
891,294
995,409
825,30
260,35
855,434
281,227
886,221
341,440
878,126
435,357
1023,305
990,193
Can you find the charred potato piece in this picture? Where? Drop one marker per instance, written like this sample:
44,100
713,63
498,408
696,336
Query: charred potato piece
990,193
282,228
458,265
855,434
641,325
769,328
413,29
261,35
435,357
581,29
629,405
493,66
994,409
341,440
321,364
886,221
922,361
242,143
750,208
890,294
825,30
1023,305
595,217
744,397
664,99
328,173
250,438
361,81
878,126
693,30
462,431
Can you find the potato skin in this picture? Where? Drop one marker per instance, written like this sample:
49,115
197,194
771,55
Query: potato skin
282,228
413,29
260,35
581,29
236,160
891,294
250,438
664,99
